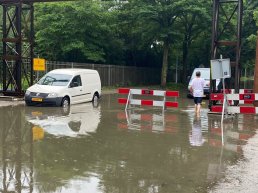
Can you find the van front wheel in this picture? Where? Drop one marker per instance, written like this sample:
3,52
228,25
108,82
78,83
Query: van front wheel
95,100
65,102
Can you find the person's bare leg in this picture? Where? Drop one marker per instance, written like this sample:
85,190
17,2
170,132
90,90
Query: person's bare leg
198,109
195,108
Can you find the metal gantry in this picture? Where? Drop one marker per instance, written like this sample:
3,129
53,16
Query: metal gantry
18,43
226,36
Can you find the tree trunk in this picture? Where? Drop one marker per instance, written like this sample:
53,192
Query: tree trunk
185,55
255,88
164,65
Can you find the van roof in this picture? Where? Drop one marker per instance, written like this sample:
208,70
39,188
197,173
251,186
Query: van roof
72,71
202,69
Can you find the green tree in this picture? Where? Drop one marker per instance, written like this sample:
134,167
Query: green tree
195,21
155,21
77,31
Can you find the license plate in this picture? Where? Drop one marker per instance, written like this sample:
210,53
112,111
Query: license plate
36,113
36,99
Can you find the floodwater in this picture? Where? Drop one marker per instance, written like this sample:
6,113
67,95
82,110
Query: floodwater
102,148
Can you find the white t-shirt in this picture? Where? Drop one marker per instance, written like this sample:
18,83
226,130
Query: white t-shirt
197,86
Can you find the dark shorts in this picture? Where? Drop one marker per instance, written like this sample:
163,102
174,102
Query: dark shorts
197,100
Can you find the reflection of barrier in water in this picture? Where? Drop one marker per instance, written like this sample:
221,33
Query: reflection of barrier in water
154,121
17,151
78,120
234,133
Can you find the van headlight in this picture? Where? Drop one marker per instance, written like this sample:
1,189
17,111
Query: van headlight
52,95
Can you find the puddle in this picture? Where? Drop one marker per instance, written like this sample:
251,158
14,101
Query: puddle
103,148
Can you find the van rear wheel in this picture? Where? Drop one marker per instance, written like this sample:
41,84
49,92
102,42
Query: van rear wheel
65,102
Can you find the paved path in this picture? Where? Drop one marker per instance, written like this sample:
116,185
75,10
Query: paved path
243,176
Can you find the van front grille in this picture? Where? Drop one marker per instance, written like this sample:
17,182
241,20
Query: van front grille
37,94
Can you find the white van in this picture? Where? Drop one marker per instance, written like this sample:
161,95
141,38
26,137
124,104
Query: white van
62,87
205,74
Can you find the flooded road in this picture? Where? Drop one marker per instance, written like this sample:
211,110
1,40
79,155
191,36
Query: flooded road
103,149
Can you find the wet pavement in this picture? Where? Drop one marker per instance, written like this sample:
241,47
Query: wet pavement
101,148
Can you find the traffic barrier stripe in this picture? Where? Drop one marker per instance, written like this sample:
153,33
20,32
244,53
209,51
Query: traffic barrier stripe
123,90
216,96
148,92
172,93
236,109
216,109
148,102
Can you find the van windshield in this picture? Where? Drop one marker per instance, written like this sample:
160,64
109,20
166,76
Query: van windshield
55,79
205,74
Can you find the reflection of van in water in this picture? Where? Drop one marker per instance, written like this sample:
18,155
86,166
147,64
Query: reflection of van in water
205,74
78,120
62,87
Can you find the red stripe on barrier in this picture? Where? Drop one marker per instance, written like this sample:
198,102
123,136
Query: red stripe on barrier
122,100
171,104
247,97
147,102
147,92
216,109
172,93
123,90
248,102
217,96
247,110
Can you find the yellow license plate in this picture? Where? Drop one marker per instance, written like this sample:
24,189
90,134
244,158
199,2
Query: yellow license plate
36,113
37,99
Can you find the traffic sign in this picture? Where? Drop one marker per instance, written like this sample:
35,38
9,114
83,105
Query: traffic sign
39,64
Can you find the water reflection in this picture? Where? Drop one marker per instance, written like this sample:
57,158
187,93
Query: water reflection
16,174
144,120
47,150
78,120
195,136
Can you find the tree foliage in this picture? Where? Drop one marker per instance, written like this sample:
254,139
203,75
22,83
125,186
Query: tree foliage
149,33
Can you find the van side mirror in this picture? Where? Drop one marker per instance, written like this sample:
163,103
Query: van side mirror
188,78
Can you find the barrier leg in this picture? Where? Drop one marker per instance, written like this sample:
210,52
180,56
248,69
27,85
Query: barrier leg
128,99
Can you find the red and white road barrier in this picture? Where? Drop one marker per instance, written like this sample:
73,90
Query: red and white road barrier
243,98
145,92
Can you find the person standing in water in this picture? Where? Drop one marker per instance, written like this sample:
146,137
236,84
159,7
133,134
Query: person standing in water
197,90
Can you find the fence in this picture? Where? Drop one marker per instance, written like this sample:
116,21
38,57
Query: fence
112,75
